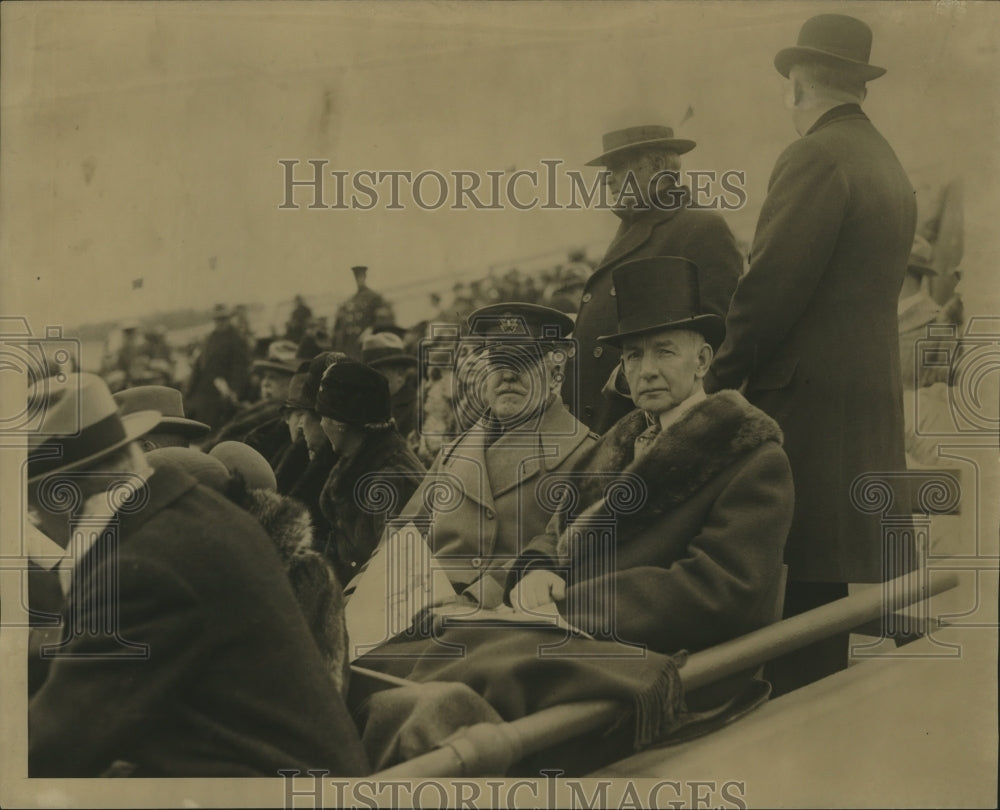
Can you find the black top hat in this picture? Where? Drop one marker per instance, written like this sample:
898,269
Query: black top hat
836,38
661,292
355,394
517,321
624,140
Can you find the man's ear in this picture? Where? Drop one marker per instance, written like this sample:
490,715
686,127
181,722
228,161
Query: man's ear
705,355
798,91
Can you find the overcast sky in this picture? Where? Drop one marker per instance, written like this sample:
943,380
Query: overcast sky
143,140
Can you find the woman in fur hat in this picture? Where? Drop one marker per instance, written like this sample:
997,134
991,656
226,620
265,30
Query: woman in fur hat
375,473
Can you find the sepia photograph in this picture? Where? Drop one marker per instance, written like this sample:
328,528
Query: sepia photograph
454,403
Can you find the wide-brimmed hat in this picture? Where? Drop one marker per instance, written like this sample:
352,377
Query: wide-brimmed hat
650,135
920,257
355,394
661,292
382,349
80,424
835,38
168,401
281,357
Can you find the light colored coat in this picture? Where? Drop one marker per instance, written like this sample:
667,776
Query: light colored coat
482,503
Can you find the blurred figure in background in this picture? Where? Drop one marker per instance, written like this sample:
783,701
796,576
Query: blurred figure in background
295,329
356,314
220,373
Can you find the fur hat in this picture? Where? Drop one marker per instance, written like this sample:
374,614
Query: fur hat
355,394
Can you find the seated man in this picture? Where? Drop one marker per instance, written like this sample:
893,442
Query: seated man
185,652
479,503
675,539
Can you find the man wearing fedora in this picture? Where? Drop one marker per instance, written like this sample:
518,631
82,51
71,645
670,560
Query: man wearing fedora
675,534
812,331
385,352
174,428
656,220
261,424
184,651
220,373
522,433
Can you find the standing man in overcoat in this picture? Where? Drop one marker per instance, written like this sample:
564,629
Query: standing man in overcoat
657,219
812,330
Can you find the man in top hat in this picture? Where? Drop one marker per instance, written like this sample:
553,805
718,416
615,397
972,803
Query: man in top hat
523,433
385,352
695,488
174,428
220,374
812,331
358,313
184,653
643,183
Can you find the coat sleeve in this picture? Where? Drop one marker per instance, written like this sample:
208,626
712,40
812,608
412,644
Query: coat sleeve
796,235
721,589
90,707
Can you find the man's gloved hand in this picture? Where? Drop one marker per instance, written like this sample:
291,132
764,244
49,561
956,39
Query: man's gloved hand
537,588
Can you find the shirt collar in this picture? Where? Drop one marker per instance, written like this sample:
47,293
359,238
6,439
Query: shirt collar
670,417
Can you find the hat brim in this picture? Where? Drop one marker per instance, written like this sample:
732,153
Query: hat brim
394,360
178,424
271,365
679,145
786,58
135,425
711,327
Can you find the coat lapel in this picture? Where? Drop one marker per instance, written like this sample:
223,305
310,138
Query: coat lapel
632,236
520,455
467,461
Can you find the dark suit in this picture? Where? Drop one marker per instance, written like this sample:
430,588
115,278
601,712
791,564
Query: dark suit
233,684
700,236
813,330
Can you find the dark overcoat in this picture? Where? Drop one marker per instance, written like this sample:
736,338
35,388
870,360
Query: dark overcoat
232,685
485,489
701,236
813,331
225,354
698,526
361,493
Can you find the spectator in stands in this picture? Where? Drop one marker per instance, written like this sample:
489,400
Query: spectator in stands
385,352
358,313
174,429
220,373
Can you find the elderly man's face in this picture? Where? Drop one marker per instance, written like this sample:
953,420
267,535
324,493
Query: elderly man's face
274,386
664,368
517,381
622,191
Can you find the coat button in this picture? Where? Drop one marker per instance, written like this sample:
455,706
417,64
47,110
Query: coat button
613,291
598,351
490,514
588,410
475,562
586,297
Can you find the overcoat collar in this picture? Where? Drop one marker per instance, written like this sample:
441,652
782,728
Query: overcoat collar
487,471
634,233
837,113
683,458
